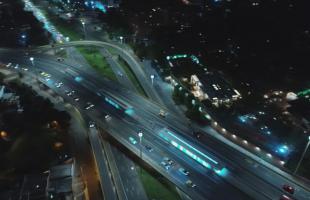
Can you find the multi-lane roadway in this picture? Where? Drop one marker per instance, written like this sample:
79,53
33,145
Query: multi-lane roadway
244,178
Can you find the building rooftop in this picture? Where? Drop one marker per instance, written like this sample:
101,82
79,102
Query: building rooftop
216,87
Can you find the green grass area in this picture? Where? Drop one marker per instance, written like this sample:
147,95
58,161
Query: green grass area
157,189
67,30
97,61
112,51
132,77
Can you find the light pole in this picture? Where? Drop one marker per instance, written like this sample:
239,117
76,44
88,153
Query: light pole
32,63
140,134
121,38
303,155
83,23
152,78
32,60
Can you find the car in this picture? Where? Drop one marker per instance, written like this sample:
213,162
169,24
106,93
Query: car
132,140
60,59
165,165
190,183
89,106
184,171
148,148
16,66
162,113
120,73
288,189
24,68
70,93
91,124
76,98
106,117
168,160
284,197
9,64
45,74
197,134
58,84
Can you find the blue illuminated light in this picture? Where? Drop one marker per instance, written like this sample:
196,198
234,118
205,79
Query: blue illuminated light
193,57
283,149
191,147
78,79
96,5
189,153
222,172
243,119
111,102
129,111
193,153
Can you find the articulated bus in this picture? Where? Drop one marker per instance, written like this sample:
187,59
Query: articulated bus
207,161
116,103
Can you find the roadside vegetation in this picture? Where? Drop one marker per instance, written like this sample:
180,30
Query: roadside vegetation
157,188
184,97
97,61
132,77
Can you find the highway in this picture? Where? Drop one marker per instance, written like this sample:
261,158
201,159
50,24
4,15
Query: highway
146,118
127,179
132,60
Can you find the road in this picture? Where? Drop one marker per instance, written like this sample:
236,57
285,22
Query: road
242,176
131,59
124,181
121,126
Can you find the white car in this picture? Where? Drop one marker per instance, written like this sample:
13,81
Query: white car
89,106
120,73
58,85
70,93
91,124
106,117
168,160
184,171
190,183
165,165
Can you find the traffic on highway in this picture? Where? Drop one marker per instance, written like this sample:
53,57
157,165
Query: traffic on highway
202,169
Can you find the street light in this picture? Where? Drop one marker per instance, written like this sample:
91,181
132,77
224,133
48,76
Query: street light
303,155
83,23
31,60
121,38
32,63
152,78
140,134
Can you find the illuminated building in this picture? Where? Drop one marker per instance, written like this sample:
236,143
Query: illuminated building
214,88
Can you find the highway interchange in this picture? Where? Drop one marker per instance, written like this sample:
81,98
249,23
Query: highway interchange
245,180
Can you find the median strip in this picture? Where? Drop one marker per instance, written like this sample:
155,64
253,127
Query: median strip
132,77
97,61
